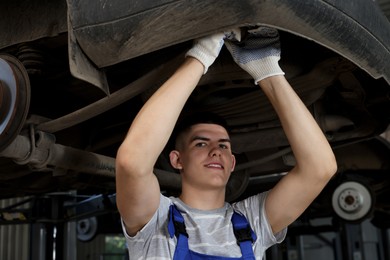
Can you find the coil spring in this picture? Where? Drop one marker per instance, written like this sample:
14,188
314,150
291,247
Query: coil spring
31,58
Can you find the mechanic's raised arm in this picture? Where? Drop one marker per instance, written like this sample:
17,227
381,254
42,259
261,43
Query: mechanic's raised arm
315,162
138,191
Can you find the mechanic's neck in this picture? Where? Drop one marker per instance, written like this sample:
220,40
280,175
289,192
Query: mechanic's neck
203,199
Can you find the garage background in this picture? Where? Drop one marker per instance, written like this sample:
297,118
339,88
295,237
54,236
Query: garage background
18,243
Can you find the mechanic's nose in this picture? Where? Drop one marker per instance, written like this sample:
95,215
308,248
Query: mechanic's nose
215,151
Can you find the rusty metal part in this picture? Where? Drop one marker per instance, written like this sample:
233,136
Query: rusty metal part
15,98
40,152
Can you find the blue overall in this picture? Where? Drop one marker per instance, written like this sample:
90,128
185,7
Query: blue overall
242,230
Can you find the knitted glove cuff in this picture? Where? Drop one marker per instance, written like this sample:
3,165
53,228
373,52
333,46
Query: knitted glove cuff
269,67
206,51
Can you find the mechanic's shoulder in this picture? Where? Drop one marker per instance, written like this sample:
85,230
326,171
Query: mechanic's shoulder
249,203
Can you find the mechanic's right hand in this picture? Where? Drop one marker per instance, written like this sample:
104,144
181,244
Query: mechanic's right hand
207,49
258,54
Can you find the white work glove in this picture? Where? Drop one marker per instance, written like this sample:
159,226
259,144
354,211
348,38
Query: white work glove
258,54
207,49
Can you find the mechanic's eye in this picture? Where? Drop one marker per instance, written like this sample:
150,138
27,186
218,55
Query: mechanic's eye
200,144
224,146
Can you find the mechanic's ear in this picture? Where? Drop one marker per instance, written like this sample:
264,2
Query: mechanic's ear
233,162
174,157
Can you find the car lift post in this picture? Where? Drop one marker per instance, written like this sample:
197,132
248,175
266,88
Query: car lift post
53,221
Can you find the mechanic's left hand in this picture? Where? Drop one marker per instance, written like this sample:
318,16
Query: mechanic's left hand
258,54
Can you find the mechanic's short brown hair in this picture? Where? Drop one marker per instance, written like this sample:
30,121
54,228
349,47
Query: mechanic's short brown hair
186,122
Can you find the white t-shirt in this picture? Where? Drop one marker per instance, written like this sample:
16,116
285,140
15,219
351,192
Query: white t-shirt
209,232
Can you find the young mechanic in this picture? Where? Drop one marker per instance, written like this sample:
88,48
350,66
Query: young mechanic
198,224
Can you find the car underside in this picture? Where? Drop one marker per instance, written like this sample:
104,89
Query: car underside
73,79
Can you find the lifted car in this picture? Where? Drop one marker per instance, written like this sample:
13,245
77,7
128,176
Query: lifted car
74,74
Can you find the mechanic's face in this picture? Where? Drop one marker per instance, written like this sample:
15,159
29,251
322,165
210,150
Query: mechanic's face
205,157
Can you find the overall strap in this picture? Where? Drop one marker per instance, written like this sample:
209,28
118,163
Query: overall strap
176,227
244,235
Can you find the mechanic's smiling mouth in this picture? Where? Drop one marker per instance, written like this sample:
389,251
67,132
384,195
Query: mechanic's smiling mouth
214,165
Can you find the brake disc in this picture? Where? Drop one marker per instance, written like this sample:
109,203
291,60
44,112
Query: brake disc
14,98
87,229
352,201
